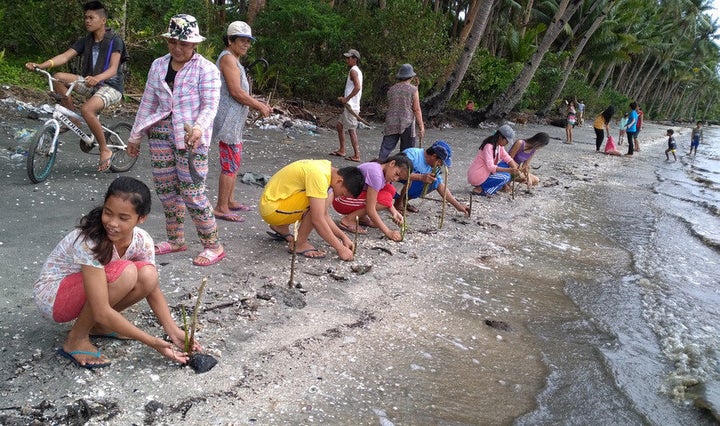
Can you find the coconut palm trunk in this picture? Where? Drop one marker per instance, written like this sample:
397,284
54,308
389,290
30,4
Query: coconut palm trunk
504,103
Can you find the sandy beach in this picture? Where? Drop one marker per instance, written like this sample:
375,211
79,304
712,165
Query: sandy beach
399,335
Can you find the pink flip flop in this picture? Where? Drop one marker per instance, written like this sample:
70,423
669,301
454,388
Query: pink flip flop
241,208
165,247
230,217
209,257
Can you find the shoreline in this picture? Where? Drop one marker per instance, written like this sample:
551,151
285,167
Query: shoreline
336,359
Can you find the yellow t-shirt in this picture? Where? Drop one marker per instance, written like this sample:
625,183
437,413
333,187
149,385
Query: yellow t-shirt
599,122
310,176
288,189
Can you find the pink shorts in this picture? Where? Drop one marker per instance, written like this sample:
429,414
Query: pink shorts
230,157
70,297
347,205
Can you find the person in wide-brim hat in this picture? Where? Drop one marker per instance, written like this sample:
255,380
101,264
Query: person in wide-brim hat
184,27
176,114
403,114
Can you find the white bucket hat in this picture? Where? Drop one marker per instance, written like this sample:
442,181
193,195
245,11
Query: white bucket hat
184,28
240,29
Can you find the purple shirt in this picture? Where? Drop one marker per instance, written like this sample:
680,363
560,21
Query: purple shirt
374,176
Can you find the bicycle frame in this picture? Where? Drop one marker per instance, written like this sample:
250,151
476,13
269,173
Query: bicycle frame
43,150
62,115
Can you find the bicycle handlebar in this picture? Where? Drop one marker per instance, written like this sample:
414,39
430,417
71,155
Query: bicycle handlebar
50,79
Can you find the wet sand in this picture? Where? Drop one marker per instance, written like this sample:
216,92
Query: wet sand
405,343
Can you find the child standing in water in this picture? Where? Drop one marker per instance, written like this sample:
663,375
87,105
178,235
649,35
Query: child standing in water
672,146
695,138
102,267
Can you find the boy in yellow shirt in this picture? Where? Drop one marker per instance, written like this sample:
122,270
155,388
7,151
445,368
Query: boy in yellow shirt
304,190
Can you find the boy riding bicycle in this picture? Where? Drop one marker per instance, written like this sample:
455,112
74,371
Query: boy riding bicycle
102,51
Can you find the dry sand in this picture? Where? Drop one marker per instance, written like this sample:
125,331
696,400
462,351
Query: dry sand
379,347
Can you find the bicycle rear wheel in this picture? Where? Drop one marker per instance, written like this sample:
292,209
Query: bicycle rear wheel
121,160
41,156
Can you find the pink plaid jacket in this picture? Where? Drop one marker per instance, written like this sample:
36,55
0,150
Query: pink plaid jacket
194,99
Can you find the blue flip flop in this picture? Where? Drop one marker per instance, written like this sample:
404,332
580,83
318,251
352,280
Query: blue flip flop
70,356
112,335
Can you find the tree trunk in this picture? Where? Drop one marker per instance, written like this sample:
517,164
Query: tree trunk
436,102
254,8
576,54
630,87
619,80
608,74
507,101
526,18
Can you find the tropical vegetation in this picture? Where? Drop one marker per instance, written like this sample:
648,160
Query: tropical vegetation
507,56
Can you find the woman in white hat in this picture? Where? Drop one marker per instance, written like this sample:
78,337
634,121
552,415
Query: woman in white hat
402,114
235,103
176,114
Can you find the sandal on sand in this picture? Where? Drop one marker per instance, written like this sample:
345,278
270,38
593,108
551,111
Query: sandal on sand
208,257
71,357
112,335
280,237
412,209
240,208
307,253
355,159
352,228
230,217
368,223
165,247
104,165
338,153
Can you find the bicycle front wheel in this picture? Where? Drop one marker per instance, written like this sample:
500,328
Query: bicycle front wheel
41,156
121,160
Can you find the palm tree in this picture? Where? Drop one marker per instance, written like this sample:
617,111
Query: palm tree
507,101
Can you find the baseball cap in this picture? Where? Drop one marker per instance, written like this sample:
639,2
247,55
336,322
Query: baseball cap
443,151
352,52
240,29
507,132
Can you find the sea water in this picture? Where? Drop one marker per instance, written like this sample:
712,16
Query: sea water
646,277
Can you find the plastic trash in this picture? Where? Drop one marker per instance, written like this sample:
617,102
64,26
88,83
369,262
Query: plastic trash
23,134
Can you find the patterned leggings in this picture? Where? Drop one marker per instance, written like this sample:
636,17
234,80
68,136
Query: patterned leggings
176,189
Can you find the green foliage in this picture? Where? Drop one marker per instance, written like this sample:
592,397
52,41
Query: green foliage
486,78
303,41
308,38
401,33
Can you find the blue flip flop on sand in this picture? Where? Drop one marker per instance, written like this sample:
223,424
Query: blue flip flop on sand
71,357
112,335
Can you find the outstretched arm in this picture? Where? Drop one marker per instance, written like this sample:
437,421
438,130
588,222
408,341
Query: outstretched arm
445,192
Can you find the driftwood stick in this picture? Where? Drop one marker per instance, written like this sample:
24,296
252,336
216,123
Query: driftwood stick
444,199
360,119
291,281
357,228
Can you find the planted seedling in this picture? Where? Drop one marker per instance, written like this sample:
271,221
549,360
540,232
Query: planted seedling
199,362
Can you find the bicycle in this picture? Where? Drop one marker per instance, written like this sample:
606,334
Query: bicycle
43,151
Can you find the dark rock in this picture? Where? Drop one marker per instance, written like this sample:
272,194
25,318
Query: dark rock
202,363
500,325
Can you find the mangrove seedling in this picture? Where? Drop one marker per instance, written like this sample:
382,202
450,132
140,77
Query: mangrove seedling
199,362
